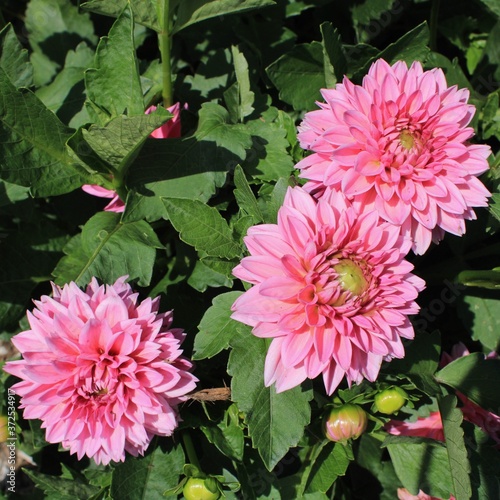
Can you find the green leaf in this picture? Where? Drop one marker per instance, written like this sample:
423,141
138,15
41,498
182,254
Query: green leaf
148,476
202,227
195,11
210,80
483,279
476,377
181,168
452,419
268,158
61,488
214,126
331,463
276,200
275,421
120,140
244,96
299,75
31,255
11,193
216,328
54,27
221,266
65,95
420,362
240,227
33,144
228,434
413,46
495,205
491,127
144,11
202,277
485,466
421,465
370,11
14,60
370,456
493,6
335,63
108,249
481,315
113,85
245,197
452,69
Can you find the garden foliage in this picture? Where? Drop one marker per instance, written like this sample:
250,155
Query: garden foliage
75,81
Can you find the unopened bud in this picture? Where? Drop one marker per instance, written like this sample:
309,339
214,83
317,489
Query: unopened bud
390,400
345,422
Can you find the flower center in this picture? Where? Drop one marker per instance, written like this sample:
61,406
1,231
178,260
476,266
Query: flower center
406,140
351,277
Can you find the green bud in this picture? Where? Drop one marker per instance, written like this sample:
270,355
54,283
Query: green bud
390,400
197,488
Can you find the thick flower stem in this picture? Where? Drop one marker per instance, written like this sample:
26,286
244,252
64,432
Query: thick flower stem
189,448
434,24
164,40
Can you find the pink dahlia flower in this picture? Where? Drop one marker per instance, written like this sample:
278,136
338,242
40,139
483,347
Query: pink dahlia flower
487,420
427,427
331,288
404,494
102,371
398,144
171,129
115,205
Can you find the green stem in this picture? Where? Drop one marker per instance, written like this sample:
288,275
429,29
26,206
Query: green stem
165,41
434,24
189,447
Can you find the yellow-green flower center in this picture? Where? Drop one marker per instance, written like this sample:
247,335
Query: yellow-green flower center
351,277
406,139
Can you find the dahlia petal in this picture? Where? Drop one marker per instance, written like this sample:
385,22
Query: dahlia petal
295,348
324,344
372,367
112,310
342,351
282,288
367,165
274,371
296,230
394,210
267,330
452,223
332,376
354,183
99,191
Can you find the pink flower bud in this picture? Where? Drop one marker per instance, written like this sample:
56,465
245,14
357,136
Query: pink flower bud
345,422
